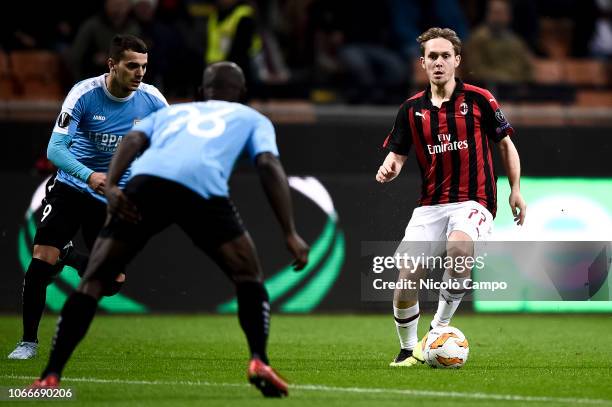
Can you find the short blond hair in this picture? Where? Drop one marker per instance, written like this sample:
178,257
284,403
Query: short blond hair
437,32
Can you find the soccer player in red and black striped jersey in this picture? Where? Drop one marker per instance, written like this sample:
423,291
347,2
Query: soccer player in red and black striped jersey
452,126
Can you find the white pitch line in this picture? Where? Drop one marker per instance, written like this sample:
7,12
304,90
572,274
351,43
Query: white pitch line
331,389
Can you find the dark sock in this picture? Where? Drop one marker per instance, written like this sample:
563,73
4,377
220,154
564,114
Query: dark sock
113,288
72,325
37,278
254,316
77,260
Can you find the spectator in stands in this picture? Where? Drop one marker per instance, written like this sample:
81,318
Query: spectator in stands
64,25
18,33
162,41
89,51
270,64
188,64
43,29
326,41
494,53
295,33
358,41
601,43
410,17
232,35
580,16
527,27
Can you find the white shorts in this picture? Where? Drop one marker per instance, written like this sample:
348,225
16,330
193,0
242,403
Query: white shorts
433,224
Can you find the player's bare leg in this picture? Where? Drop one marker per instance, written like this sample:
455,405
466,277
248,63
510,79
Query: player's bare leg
459,245
238,259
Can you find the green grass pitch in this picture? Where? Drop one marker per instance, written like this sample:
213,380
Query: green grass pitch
329,360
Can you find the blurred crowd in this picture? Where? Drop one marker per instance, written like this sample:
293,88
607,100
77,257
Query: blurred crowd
324,50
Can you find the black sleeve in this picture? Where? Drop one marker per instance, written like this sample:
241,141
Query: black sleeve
494,123
399,139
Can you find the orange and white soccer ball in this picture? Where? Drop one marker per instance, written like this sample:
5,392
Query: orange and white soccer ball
445,347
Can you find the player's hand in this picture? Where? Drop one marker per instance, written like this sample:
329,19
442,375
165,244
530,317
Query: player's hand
387,172
518,206
299,250
120,205
97,182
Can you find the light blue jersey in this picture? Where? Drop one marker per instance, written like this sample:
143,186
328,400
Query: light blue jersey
95,121
196,144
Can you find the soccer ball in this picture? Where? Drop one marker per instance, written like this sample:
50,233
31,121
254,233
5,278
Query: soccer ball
445,347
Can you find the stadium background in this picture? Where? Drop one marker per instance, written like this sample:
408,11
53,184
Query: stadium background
328,129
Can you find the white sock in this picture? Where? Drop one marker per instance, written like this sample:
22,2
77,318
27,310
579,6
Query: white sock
448,302
406,323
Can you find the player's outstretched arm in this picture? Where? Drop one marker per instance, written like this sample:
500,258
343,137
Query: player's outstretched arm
274,182
512,165
131,145
391,167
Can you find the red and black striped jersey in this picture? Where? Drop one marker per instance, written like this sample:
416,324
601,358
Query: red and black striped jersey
452,144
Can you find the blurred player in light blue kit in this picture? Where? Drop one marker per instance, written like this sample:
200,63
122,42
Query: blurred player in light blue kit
95,116
188,152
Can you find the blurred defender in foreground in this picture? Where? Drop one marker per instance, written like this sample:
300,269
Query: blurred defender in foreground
188,151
